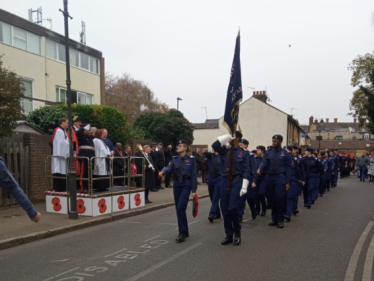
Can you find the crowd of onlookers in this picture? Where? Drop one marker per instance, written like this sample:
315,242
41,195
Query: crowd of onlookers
364,167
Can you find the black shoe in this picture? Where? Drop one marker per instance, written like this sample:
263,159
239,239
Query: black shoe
299,194
169,186
363,180
217,218
287,218
263,214
328,189
160,187
280,225
360,180
240,219
295,212
181,237
238,238
258,213
150,202
146,202
227,240
268,207
273,223
309,206
254,215
210,219
154,190
312,202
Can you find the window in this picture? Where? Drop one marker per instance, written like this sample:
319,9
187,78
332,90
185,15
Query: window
51,50
339,138
61,95
26,103
61,53
85,98
372,136
74,58
354,138
84,61
366,136
19,38
93,65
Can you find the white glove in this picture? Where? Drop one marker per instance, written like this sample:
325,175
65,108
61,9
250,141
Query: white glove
150,166
244,187
225,139
87,128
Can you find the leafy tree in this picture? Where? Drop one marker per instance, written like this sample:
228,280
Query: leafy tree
165,127
360,67
368,92
100,116
11,92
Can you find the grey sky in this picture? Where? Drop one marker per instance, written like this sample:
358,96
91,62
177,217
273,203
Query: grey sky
185,48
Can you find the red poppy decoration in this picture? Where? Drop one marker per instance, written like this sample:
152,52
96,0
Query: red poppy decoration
134,169
80,206
137,199
102,206
56,204
241,153
121,202
187,161
282,153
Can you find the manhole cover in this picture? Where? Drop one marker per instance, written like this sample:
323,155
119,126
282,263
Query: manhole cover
10,217
249,224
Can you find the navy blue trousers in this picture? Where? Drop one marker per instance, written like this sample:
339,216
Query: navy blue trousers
362,172
322,184
335,176
309,187
277,196
214,184
182,192
292,193
260,194
250,198
230,206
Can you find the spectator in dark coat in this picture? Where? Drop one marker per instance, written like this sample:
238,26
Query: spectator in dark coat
139,167
204,167
149,174
160,163
108,142
155,157
118,165
199,160
168,156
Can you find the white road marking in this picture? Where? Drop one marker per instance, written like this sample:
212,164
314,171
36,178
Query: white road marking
62,273
368,267
351,269
156,266
115,253
84,274
247,220
152,238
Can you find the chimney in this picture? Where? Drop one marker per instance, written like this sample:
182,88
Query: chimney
354,120
335,120
311,120
260,95
327,120
316,121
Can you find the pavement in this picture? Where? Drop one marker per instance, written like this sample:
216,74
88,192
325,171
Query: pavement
334,240
16,227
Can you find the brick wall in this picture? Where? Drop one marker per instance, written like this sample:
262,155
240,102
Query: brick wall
39,150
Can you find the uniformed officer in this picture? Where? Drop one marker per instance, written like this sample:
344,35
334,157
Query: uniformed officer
324,162
292,192
318,179
184,169
268,195
296,159
279,168
330,169
260,183
310,173
337,167
239,159
251,192
214,183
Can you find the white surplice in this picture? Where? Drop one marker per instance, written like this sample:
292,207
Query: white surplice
60,148
101,150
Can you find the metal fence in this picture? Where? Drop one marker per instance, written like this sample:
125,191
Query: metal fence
16,158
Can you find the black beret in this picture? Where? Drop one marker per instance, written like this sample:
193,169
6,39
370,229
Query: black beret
244,141
170,143
238,134
322,153
309,149
183,142
261,147
277,137
288,147
294,147
328,151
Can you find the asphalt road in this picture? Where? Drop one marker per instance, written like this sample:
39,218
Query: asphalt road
327,242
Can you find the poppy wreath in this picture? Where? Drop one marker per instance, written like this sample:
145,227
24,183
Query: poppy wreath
121,202
137,199
134,169
80,206
56,204
102,206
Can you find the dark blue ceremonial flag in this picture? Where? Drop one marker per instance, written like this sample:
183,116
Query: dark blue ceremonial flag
234,92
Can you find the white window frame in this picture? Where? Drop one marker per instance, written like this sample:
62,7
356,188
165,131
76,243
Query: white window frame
59,94
32,93
366,136
80,93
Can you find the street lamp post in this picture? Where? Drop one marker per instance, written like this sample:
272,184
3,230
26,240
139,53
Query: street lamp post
178,99
71,174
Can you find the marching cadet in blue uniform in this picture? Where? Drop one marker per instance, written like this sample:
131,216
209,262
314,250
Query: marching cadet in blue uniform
251,192
292,192
310,173
296,159
320,173
325,167
184,169
214,183
330,171
260,183
279,164
239,183
337,167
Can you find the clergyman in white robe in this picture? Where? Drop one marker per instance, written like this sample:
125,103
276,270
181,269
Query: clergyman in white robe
59,154
101,165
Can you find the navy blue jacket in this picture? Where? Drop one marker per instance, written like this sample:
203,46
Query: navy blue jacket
296,167
309,165
109,144
189,169
283,165
240,156
211,159
9,184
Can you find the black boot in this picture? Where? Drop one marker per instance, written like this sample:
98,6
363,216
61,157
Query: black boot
238,238
227,240
181,237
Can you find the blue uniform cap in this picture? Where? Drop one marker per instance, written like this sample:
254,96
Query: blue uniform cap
294,147
278,137
261,147
322,153
244,141
183,142
289,147
310,149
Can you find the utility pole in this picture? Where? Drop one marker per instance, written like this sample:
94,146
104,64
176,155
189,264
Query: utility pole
206,112
178,99
71,174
